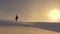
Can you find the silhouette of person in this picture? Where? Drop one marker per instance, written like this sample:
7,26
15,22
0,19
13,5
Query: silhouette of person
16,18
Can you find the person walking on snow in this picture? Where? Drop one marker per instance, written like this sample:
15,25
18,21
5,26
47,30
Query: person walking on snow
16,18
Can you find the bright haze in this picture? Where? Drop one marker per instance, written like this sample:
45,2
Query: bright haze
28,10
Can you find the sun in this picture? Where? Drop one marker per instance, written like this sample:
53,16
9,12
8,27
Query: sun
54,15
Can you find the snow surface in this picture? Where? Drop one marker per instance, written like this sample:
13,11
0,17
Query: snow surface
13,27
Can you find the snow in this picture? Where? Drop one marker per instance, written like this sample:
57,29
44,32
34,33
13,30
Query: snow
12,27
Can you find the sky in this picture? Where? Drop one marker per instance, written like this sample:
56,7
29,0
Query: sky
27,10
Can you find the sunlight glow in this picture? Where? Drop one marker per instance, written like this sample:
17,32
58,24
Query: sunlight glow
54,15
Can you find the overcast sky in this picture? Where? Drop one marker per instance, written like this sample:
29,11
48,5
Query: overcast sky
27,10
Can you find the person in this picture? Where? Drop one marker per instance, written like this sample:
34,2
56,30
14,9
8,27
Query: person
16,18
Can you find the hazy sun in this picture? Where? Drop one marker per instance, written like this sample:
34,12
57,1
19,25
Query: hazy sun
54,15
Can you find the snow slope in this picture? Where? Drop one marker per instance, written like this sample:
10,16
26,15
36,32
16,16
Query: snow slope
13,27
